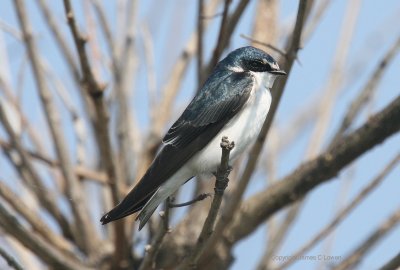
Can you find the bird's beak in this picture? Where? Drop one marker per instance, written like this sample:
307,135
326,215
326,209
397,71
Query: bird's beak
278,72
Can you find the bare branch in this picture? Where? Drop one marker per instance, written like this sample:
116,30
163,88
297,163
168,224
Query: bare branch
10,260
27,171
269,46
221,182
200,32
84,226
33,219
197,199
36,244
394,263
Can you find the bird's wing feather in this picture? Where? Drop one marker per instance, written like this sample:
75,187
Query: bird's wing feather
196,127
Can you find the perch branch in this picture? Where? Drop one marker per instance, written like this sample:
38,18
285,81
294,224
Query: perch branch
221,182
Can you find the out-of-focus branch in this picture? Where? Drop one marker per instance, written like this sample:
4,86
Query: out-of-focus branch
200,32
60,39
315,172
394,263
37,245
344,212
81,172
269,46
235,199
221,182
355,257
27,171
10,260
33,219
84,227
96,91
367,91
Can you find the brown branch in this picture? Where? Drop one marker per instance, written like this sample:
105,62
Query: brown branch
81,172
315,172
36,244
394,263
355,257
33,219
10,260
221,182
345,211
25,168
87,236
200,33
61,42
96,91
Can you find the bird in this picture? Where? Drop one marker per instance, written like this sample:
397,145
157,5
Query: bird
233,102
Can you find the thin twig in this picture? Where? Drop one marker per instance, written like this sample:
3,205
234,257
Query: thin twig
61,42
345,211
81,172
197,199
221,182
10,260
269,46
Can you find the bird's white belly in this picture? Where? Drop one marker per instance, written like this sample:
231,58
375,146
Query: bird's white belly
242,129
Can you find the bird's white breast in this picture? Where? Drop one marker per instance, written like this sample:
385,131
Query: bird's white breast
242,129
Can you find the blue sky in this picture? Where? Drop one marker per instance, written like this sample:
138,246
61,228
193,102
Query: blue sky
376,30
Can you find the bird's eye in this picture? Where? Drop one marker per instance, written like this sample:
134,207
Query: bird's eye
258,66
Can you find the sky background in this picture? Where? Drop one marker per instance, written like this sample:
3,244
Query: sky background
376,30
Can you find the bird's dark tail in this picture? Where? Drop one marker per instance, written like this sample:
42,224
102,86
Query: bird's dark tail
125,208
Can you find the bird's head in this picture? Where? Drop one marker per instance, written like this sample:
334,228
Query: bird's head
252,59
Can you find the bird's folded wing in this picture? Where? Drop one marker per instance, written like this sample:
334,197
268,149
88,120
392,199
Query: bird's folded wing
222,96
